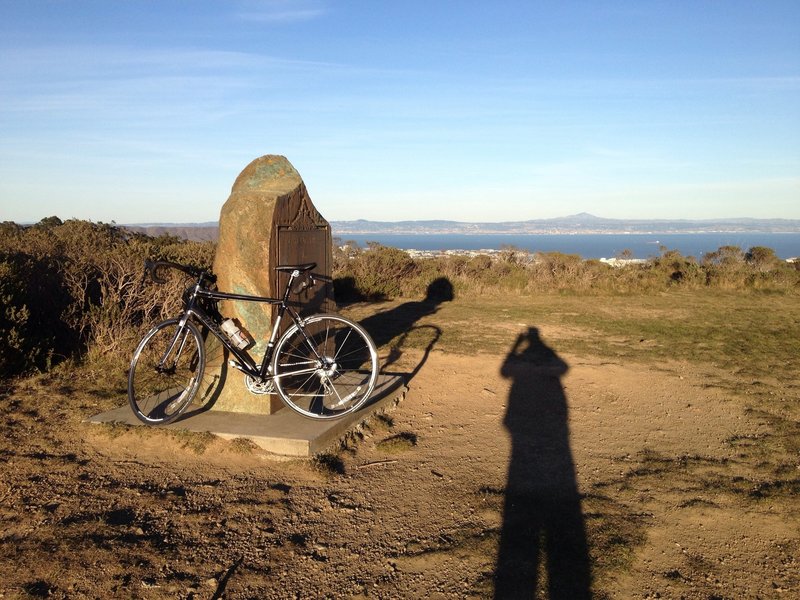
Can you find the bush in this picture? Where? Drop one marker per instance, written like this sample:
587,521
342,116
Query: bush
726,268
20,349
762,259
75,286
380,273
678,270
33,302
377,273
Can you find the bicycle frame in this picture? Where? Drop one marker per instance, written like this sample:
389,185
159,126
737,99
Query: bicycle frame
323,366
246,363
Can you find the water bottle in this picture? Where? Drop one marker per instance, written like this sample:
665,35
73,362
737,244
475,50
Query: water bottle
235,335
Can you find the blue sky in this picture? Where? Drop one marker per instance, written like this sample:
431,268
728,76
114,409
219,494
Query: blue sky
146,111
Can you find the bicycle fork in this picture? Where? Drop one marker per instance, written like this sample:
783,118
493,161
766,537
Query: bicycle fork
173,354
183,334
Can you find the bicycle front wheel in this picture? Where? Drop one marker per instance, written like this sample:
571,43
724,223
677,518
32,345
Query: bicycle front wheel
165,372
327,368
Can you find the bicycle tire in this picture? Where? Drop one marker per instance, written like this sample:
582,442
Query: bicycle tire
159,394
338,385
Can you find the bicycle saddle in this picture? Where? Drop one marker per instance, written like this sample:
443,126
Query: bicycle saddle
288,268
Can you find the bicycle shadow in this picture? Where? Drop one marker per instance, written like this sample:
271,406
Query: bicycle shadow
543,532
394,326
214,377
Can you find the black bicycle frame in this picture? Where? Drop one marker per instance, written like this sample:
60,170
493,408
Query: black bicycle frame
246,362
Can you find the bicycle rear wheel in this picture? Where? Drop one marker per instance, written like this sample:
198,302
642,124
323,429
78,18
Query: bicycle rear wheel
165,372
327,369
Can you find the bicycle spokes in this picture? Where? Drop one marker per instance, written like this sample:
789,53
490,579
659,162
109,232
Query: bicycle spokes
165,372
326,368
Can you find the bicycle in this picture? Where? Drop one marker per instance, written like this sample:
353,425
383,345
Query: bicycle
323,366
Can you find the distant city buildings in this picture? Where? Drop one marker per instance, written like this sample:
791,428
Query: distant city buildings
530,257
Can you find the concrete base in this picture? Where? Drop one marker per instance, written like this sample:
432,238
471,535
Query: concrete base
284,433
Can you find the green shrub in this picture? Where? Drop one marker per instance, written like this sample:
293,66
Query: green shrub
378,273
19,350
678,270
76,286
32,305
762,259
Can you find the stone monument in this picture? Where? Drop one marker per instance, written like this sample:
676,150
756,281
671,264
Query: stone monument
268,220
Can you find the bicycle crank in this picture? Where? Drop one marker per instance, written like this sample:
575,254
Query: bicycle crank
258,387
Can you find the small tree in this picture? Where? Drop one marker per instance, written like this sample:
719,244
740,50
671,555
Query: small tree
726,267
762,259
49,222
380,272
513,255
725,256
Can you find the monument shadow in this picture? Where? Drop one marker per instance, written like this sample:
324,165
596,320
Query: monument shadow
543,539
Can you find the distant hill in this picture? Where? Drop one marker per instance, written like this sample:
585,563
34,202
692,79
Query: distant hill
196,232
572,224
580,223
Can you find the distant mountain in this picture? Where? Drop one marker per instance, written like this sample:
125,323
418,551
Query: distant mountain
572,224
196,232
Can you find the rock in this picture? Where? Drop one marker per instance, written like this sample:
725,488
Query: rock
268,220
246,230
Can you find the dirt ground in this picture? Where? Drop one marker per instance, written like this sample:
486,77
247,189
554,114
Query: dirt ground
495,476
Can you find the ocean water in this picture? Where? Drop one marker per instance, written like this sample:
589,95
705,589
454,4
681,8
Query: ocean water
590,245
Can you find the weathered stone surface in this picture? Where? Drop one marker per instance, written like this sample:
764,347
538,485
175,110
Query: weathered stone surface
267,220
246,228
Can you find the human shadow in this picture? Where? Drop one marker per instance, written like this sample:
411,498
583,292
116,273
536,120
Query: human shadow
394,326
543,538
